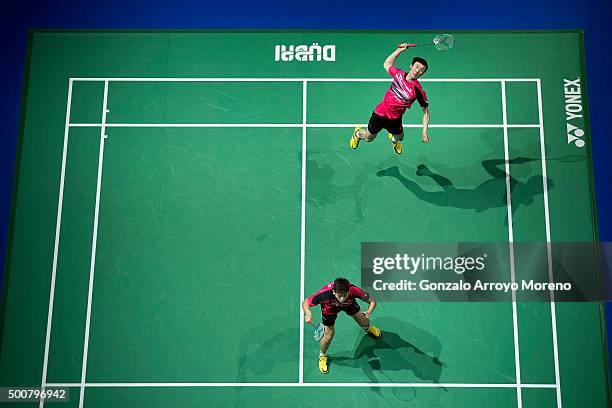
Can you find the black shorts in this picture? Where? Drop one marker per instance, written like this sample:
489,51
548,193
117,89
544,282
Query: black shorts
377,123
330,318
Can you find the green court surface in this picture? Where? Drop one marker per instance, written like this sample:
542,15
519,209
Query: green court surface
180,193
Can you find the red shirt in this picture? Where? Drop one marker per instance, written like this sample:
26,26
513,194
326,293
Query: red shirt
401,95
329,303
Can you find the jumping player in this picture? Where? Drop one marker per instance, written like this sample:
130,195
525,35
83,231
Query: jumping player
339,296
404,90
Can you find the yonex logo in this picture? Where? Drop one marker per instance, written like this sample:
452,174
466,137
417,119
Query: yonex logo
574,135
573,110
303,53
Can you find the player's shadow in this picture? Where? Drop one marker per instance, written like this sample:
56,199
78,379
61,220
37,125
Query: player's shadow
262,350
490,193
265,354
490,139
406,349
323,190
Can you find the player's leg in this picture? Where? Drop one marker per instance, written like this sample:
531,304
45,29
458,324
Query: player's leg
361,319
368,133
397,142
445,183
328,335
396,138
365,134
396,134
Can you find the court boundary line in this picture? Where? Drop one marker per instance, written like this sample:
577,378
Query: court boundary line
517,355
263,79
58,226
94,247
83,384
553,313
286,125
303,232
304,384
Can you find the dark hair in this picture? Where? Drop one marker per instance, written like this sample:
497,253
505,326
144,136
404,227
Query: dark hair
421,60
341,285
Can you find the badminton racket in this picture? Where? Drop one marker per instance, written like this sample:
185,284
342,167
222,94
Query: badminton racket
318,331
442,42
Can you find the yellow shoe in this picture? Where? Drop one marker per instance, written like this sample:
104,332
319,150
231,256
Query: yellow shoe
397,146
323,365
354,143
374,332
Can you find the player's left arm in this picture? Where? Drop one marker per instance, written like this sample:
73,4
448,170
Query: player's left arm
365,296
425,123
371,306
421,97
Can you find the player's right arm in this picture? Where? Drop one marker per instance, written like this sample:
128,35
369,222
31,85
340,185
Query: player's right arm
391,58
307,312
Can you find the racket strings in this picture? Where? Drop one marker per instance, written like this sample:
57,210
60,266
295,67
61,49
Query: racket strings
319,330
444,42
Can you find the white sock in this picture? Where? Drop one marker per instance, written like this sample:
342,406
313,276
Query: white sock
321,354
393,139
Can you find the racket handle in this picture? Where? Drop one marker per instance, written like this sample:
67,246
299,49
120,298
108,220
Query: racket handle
409,45
414,45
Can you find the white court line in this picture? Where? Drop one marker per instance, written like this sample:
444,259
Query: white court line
517,359
303,231
110,79
284,125
411,125
553,314
93,247
58,225
303,384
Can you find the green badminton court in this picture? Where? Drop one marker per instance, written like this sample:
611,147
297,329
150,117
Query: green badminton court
180,193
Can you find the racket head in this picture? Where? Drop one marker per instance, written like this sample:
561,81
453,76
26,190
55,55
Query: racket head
318,332
444,42
405,394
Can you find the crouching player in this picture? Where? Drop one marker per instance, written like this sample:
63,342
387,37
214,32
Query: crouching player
335,297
